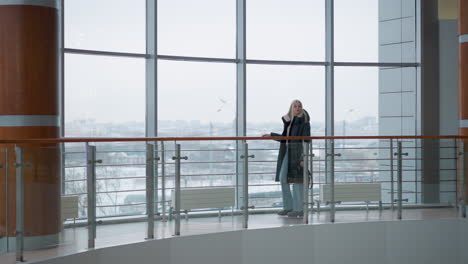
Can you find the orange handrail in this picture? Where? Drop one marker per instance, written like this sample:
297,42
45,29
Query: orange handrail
152,139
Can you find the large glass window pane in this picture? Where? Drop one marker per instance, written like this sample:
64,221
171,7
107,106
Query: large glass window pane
286,30
196,99
272,88
356,101
375,31
356,30
202,28
356,114
104,96
372,101
107,25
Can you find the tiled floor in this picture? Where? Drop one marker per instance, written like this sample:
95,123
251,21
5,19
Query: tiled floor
75,239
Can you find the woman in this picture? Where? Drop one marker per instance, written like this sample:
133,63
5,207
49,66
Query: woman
289,168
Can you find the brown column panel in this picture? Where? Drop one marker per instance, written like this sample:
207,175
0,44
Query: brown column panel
42,182
463,132
28,60
29,86
463,75
463,17
463,78
41,188
3,193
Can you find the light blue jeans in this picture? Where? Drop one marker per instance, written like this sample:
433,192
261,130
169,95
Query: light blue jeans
294,201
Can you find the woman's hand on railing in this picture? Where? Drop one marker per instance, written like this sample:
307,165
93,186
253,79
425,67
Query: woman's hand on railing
266,135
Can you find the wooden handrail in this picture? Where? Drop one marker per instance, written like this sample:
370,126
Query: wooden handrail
150,139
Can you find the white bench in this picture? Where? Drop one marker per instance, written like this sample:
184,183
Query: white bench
352,192
204,198
69,207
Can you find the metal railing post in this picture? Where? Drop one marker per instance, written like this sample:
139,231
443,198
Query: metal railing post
7,230
156,179
6,206
332,156
245,222
177,159
400,199
20,165
457,164
163,181
91,187
306,156
311,162
245,186
150,189
462,183
391,177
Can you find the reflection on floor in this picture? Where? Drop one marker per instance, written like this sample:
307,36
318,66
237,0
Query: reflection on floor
75,239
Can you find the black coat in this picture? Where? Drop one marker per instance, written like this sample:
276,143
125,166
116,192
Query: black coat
299,128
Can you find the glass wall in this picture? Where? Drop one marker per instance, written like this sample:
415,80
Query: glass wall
199,50
105,96
271,89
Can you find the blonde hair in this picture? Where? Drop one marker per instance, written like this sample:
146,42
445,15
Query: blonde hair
290,112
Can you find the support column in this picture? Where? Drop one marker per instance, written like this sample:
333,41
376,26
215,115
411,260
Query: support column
151,69
463,71
241,89
29,108
430,178
329,89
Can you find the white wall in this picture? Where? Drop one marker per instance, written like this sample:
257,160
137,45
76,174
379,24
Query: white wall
396,242
448,70
397,86
448,103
